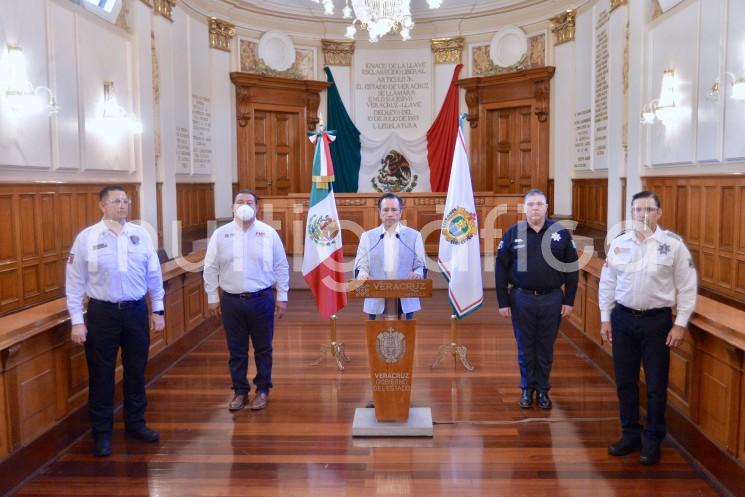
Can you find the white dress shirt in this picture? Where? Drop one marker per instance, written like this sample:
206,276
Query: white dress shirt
650,274
390,250
241,261
112,268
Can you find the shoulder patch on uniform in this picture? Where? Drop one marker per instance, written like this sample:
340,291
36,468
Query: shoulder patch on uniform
673,235
71,259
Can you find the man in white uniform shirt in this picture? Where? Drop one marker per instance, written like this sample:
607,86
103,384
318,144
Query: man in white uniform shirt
114,264
647,272
390,251
246,258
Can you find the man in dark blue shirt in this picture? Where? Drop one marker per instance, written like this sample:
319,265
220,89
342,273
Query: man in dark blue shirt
536,257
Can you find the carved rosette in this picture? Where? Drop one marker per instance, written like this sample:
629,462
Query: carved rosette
448,50
312,101
563,26
164,8
221,34
614,4
337,53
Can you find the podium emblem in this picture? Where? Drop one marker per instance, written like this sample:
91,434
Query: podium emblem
391,345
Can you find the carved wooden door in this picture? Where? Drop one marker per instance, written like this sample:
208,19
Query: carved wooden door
509,155
277,151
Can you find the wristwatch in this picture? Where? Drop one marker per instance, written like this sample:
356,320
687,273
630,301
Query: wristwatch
159,313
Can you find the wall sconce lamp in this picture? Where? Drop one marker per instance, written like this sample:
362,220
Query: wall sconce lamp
20,94
114,116
738,87
664,107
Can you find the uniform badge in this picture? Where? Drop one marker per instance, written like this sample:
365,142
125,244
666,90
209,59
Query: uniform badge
390,345
556,237
663,249
99,246
134,239
229,235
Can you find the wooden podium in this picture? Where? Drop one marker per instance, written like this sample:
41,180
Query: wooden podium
390,351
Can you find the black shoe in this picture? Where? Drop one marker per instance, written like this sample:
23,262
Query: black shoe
526,399
102,447
544,401
143,433
625,446
650,454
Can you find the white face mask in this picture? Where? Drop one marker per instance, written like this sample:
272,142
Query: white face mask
245,213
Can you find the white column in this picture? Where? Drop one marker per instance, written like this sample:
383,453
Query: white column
616,152
562,127
636,12
164,47
141,26
223,130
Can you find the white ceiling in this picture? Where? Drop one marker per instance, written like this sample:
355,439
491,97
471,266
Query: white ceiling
419,8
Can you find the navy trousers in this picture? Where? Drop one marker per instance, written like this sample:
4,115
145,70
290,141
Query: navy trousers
641,340
535,321
245,318
109,329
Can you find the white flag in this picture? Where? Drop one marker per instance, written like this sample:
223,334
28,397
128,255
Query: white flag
459,256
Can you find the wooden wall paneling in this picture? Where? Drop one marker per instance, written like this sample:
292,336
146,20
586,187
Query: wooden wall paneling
10,282
193,302
4,428
72,379
720,384
741,440
681,375
174,307
592,311
590,202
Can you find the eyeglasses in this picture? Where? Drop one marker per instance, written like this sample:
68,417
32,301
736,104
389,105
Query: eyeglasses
119,201
535,204
639,210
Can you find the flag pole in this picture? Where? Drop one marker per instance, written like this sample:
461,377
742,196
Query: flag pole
333,348
454,348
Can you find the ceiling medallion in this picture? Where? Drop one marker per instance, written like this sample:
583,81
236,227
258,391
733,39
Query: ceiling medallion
378,17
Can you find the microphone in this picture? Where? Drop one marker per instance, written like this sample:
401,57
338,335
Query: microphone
357,268
418,262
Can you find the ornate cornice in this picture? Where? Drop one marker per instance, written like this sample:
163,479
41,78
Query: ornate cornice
562,26
337,53
164,8
448,50
221,34
614,4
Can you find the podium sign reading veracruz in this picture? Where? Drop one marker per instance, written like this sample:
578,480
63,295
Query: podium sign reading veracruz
390,349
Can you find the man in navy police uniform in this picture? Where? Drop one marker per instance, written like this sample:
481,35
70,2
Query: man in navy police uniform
535,259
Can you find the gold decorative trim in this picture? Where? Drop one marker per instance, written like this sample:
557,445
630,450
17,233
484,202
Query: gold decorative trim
447,50
491,68
614,4
149,3
221,34
337,53
164,8
563,26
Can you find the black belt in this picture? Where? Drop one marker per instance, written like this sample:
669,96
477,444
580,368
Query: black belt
639,314
124,304
534,292
249,295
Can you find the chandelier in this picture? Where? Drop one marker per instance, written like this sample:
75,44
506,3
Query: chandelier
378,17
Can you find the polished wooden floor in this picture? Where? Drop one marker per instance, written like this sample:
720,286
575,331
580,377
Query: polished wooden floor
301,445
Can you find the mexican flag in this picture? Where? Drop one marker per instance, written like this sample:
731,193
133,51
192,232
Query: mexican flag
322,258
459,256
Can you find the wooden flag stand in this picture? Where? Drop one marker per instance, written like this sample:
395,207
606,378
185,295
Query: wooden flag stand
333,348
390,351
455,349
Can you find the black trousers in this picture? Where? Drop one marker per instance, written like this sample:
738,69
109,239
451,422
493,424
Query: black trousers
641,340
111,329
247,318
535,322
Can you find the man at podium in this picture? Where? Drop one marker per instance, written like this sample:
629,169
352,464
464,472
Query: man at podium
388,252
